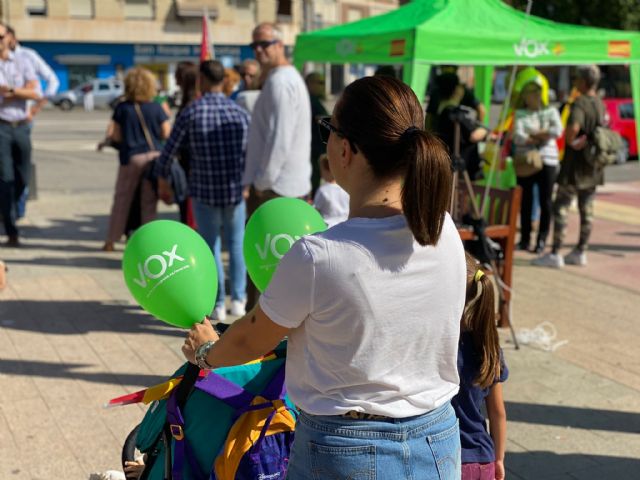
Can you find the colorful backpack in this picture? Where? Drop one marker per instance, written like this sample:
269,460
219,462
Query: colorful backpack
237,424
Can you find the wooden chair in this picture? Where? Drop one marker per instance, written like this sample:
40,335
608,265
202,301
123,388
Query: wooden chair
501,213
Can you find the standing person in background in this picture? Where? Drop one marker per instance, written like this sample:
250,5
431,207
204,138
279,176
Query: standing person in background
44,73
536,126
330,200
436,96
186,77
482,371
231,82
249,90
18,85
315,85
42,69
137,122
279,145
578,176
214,129
373,403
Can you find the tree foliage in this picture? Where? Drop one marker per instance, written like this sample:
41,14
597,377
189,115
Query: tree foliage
616,14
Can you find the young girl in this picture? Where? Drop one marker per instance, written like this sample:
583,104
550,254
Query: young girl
482,371
330,199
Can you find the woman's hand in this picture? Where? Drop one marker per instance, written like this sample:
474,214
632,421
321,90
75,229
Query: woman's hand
499,464
199,334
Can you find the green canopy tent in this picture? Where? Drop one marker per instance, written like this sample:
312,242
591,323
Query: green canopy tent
480,33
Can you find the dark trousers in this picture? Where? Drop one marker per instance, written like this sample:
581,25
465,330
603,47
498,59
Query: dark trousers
545,179
15,171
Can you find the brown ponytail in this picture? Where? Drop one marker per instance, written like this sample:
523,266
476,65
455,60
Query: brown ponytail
427,187
479,317
383,118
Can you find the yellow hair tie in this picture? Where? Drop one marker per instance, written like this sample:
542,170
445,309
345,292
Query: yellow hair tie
479,274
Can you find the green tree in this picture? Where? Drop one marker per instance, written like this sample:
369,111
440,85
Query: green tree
616,14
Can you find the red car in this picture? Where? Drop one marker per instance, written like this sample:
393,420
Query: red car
622,120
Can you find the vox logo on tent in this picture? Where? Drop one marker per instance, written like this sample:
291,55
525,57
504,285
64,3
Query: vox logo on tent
531,48
156,267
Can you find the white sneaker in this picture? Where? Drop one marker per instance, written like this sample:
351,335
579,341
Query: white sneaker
220,313
552,260
576,257
238,308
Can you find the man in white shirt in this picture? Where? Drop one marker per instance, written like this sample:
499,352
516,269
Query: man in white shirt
18,83
43,72
42,69
279,144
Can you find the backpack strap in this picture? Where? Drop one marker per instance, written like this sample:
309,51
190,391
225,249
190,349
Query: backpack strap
181,446
226,391
276,389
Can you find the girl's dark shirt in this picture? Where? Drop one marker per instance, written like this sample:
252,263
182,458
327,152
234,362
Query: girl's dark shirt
477,445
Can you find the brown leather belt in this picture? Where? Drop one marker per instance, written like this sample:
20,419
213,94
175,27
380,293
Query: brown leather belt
18,123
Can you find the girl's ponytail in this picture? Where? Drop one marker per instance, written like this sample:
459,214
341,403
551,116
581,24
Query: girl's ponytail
479,317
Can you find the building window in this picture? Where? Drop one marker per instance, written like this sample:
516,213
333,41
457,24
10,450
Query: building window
82,8
36,8
284,11
139,9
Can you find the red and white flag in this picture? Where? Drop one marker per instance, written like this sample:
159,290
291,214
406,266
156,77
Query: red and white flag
206,45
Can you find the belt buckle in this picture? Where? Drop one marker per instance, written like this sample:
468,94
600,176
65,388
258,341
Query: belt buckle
176,432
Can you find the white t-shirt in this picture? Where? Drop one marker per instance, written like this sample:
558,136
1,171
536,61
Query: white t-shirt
279,145
375,318
332,202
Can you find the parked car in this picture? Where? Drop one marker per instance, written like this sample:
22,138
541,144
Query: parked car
104,90
622,120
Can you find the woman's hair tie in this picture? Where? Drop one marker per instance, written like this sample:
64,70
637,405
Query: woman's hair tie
408,133
479,274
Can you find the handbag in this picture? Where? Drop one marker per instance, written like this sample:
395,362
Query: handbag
527,163
177,177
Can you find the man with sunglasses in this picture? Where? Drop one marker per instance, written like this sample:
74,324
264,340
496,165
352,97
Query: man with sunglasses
18,83
279,144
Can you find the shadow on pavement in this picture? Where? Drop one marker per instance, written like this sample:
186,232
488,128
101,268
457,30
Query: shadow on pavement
78,317
574,417
603,247
553,466
114,263
80,228
70,370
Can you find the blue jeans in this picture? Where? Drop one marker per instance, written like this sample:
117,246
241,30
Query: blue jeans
337,448
231,221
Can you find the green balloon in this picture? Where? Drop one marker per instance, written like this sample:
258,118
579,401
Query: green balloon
272,230
170,271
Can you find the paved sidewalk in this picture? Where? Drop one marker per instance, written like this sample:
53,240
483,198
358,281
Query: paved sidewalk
71,337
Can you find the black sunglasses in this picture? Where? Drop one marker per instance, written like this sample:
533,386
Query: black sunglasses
263,44
325,128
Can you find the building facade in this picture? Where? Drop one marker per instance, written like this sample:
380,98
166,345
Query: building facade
84,39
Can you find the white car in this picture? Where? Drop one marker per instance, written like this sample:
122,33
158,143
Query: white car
105,91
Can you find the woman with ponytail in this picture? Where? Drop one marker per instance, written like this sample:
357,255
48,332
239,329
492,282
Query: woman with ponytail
371,306
482,372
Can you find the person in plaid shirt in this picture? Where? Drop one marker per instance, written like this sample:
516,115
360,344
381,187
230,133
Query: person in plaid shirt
214,129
